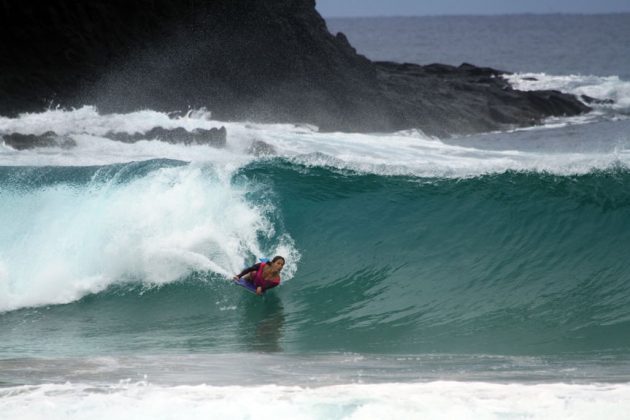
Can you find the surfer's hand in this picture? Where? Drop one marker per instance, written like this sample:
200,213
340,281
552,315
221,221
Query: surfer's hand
235,278
259,291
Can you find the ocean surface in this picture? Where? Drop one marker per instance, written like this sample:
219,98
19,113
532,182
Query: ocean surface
482,276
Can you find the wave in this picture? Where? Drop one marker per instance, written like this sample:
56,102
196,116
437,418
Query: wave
496,262
77,231
396,243
514,262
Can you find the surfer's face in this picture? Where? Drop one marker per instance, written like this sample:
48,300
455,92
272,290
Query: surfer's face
277,266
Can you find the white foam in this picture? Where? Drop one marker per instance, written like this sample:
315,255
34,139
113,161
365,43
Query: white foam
434,400
405,153
603,88
65,242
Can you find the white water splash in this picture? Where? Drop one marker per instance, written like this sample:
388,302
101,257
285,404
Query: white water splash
405,153
434,400
156,229
611,88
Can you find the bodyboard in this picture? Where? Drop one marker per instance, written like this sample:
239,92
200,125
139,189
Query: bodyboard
246,285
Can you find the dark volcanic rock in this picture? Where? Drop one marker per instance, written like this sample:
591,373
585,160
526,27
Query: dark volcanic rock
442,99
20,141
215,137
591,100
260,60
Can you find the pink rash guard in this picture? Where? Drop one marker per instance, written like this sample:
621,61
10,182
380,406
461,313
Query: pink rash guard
257,278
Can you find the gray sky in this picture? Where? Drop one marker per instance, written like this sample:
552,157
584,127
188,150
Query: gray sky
344,8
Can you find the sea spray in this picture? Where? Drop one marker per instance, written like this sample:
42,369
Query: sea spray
126,224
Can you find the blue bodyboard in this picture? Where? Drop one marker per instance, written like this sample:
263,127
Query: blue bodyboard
246,285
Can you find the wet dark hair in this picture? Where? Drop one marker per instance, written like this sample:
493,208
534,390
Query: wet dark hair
276,258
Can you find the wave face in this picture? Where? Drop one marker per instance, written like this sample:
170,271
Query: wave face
508,262
506,243
517,262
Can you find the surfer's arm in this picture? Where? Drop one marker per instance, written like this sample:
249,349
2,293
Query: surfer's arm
246,271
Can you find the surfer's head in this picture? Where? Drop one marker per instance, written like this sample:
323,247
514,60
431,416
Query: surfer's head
277,263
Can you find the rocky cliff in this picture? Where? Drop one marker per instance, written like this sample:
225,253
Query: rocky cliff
262,60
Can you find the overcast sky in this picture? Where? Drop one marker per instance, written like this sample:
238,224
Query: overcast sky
344,8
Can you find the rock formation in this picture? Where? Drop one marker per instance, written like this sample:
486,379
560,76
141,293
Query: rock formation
20,141
215,137
258,60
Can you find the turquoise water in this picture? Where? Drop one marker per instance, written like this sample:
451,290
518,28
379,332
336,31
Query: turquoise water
516,263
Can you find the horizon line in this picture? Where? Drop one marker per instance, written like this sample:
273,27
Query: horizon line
475,15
